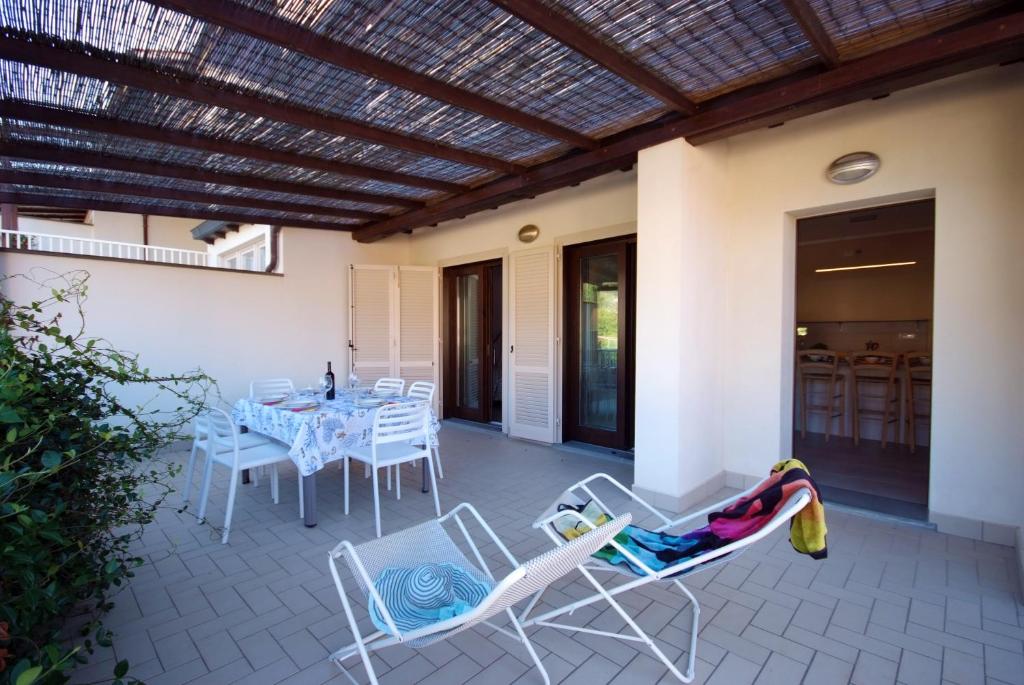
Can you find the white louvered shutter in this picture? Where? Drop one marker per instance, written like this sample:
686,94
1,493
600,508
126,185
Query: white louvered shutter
371,296
532,355
417,339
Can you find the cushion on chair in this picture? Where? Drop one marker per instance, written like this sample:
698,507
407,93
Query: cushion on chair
426,594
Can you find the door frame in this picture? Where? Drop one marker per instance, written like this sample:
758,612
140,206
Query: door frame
449,274
626,373
787,387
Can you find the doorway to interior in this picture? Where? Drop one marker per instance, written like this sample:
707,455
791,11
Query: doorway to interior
862,404
600,324
473,342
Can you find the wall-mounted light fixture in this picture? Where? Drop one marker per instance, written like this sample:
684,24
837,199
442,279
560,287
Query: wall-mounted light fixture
853,168
528,233
863,266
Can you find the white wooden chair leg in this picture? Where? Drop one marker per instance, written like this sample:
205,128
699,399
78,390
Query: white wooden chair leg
232,489
437,456
387,469
302,498
344,463
188,473
398,480
529,647
433,488
354,627
376,501
204,494
274,484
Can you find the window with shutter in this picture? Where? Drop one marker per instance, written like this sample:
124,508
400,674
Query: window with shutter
417,316
393,322
372,328
531,375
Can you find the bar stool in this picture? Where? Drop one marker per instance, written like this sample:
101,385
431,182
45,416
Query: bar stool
874,369
917,373
821,366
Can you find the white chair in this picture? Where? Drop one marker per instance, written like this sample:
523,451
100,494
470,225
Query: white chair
390,386
424,390
669,575
201,441
268,387
224,450
400,434
430,542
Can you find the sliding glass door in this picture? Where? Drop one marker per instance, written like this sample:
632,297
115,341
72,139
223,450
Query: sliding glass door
473,342
600,305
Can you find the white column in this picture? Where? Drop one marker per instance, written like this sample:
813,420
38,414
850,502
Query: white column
681,220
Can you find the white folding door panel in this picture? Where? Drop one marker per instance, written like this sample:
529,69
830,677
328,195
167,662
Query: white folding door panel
373,329
532,351
417,316
393,323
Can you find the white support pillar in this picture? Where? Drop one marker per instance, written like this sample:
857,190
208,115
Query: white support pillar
681,219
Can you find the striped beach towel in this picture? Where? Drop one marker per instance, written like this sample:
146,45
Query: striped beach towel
426,594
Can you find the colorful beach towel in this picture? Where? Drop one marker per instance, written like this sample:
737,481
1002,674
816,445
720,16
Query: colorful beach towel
425,594
807,529
659,550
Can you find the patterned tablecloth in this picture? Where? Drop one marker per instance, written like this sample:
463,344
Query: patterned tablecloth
320,436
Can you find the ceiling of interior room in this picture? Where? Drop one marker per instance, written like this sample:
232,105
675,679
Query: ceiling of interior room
904,217
382,117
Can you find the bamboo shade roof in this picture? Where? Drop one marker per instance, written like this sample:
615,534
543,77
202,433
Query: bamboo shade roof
381,116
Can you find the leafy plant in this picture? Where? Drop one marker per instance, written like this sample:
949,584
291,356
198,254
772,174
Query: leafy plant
80,475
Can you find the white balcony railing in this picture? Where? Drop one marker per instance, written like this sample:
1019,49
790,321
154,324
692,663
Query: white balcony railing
46,242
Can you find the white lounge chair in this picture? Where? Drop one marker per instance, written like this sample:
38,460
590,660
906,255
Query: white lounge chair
669,575
430,542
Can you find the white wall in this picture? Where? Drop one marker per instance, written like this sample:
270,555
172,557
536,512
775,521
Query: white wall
607,201
164,231
682,203
958,139
169,231
236,326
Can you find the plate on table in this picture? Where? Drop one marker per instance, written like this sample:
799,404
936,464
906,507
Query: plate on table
369,402
272,399
299,405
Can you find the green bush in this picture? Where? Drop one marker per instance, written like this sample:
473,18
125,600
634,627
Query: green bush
79,478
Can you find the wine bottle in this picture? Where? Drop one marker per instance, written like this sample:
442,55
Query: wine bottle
329,377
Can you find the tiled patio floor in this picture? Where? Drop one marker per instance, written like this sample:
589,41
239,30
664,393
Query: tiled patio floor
891,602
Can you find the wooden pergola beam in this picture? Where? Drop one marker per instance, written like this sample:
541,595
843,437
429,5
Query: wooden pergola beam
810,23
36,50
298,39
161,193
988,42
50,200
120,127
567,31
87,158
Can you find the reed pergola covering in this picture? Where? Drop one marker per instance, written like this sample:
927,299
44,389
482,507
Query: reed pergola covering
383,116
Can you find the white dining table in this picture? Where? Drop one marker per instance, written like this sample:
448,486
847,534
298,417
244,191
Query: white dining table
320,434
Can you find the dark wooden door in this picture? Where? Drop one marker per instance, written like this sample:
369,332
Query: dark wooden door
471,322
600,311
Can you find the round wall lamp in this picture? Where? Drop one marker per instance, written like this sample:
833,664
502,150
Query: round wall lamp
528,233
853,168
